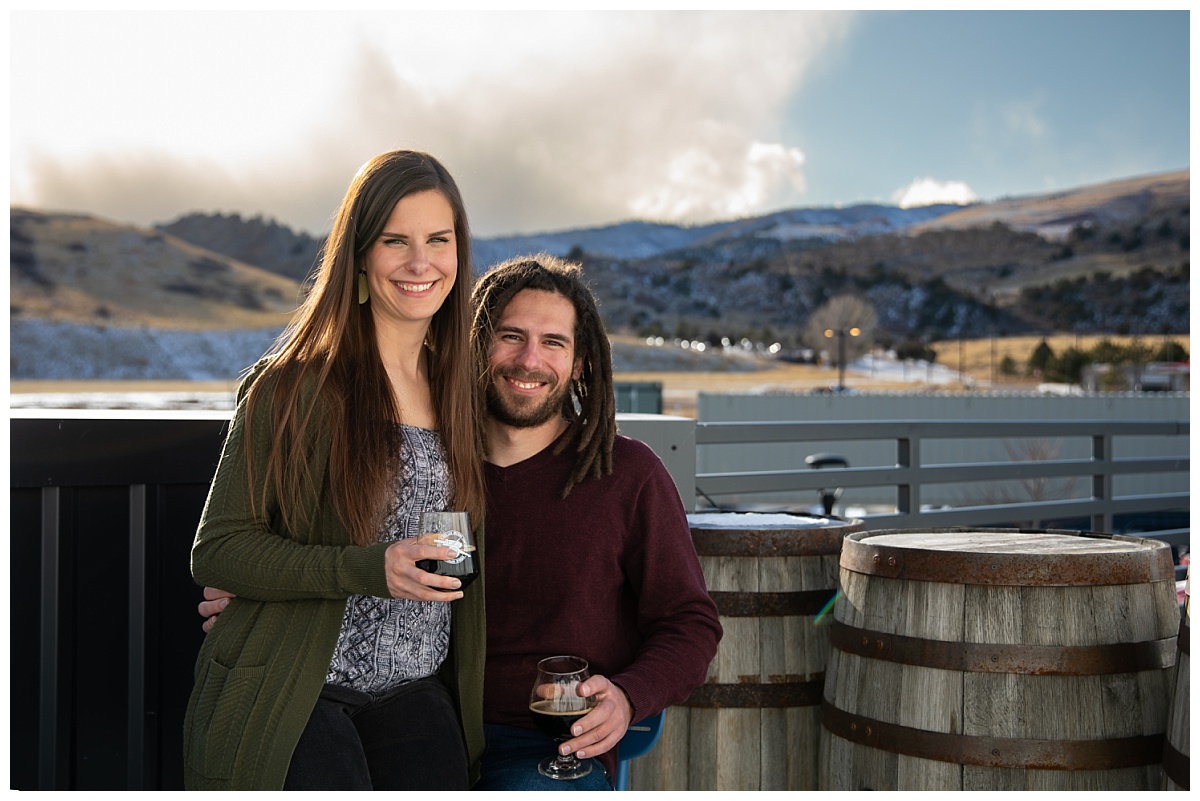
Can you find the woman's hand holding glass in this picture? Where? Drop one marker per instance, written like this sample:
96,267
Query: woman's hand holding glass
406,580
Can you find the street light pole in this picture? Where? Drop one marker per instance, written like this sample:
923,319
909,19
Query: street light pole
841,333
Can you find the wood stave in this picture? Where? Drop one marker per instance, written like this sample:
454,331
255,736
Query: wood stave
1177,749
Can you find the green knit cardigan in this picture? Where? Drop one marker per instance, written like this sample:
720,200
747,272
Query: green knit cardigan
261,668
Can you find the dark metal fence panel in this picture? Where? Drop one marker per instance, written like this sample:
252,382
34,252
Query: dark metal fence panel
102,517
115,448
172,626
24,619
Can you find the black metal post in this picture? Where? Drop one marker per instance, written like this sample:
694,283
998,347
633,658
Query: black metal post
841,360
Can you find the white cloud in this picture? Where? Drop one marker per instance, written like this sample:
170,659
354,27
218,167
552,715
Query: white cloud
668,116
927,191
1022,118
547,120
699,185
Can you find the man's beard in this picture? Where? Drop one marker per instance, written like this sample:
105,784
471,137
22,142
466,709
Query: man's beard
518,415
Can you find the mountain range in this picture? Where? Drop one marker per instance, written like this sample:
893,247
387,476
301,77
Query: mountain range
1111,258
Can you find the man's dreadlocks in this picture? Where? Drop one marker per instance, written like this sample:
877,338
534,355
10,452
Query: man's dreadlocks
590,407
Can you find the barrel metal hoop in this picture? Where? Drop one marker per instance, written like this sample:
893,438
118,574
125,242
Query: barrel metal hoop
994,752
816,541
771,604
760,696
1038,660
1177,766
861,555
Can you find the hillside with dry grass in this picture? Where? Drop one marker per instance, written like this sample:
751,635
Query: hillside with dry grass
76,269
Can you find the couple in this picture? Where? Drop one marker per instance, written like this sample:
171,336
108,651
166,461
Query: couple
342,664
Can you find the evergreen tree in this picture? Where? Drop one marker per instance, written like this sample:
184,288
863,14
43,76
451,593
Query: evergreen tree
1042,355
1171,351
1068,368
1107,352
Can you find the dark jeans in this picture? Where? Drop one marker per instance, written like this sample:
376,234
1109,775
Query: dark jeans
409,740
511,758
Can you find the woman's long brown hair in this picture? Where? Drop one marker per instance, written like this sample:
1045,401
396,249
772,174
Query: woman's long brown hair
330,353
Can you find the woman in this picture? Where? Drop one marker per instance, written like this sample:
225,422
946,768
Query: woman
327,669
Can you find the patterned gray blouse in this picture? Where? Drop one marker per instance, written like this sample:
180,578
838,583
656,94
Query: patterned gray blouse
385,642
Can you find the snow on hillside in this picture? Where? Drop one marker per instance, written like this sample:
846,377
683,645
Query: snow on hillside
631,240
41,350
47,350
643,240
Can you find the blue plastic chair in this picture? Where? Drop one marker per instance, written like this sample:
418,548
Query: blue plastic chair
638,739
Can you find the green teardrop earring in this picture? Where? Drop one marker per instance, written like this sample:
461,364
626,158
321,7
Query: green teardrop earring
364,292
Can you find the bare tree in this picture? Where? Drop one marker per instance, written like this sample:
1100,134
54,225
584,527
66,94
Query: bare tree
1025,490
850,314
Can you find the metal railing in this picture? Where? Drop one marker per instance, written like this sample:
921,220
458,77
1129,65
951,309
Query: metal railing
909,475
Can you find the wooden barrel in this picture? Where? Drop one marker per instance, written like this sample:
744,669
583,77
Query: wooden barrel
755,723
1177,753
999,659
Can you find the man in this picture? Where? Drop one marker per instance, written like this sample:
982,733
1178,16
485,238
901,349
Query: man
588,550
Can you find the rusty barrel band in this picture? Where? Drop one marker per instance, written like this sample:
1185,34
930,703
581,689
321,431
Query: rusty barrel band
1006,569
1177,766
815,541
757,696
994,752
771,604
1042,660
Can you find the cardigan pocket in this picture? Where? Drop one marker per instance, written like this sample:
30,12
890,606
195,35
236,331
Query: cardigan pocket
222,709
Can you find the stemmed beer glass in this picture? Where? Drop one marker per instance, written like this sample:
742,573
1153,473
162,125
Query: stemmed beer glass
555,705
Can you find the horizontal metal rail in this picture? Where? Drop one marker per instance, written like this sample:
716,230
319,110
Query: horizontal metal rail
785,480
908,475
804,431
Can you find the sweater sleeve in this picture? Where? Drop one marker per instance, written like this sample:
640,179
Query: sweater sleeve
239,551
676,616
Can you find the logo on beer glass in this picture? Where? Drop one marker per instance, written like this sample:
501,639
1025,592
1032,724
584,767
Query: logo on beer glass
455,541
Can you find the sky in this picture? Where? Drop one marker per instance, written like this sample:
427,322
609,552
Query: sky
555,120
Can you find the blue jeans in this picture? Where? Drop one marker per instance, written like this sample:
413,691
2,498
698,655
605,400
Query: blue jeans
511,758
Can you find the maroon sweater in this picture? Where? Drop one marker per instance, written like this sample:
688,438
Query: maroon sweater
609,574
